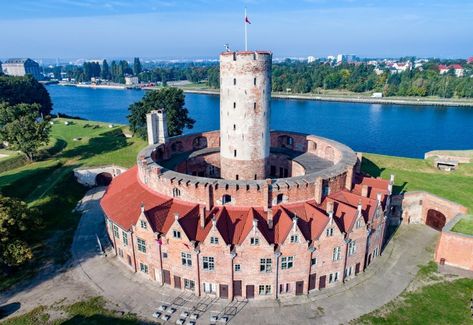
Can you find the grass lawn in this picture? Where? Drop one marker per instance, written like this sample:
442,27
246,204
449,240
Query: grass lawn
418,174
436,301
50,186
92,311
464,226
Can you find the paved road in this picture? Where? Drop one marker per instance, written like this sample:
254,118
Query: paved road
90,273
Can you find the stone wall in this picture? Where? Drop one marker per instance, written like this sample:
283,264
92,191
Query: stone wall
455,250
87,176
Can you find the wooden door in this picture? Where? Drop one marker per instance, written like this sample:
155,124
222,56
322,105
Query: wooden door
177,282
129,259
237,288
322,281
223,291
357,268
299,288
167,276
312,279
250,291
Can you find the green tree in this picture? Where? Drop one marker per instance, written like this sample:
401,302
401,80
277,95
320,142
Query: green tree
105,70
16,90
137,66
21,127
171,100
16,220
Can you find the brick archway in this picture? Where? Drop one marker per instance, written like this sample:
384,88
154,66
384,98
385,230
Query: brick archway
435,219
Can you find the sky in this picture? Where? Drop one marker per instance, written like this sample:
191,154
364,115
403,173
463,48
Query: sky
94,29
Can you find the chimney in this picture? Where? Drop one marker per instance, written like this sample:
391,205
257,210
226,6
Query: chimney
330,208
378,197
176,216
270,218
202,211
142,207
294,223
360,208
255,224
364,190
391,184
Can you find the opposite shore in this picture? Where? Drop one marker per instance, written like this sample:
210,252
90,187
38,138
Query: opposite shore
344,98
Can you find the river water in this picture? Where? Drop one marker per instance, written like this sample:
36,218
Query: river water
397,130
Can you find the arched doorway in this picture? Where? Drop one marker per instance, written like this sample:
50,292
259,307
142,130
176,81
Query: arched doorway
435,219
103,179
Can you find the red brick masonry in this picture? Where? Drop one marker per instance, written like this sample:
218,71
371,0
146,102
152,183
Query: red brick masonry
303,242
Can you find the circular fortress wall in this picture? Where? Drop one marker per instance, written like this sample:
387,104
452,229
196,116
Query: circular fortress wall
318,166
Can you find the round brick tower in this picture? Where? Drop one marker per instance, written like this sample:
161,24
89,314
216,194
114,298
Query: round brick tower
245,93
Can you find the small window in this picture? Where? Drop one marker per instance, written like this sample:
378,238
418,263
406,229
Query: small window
234,81
279,199
359,223
254,81
115,231
143,224
337,253
165,255
234,153
333,277
176,234
208,263
214,240
287,262
264,290
294,238
254,241
144,268
313,261
237,177
226,199
141,245
189,284
234,127
329,232
125,238
237,267
352,248
176,192
186,259
265,265
234,104
254,106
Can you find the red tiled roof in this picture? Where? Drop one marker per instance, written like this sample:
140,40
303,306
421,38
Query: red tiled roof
125,195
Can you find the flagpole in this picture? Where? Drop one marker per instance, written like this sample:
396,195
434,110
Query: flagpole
246,32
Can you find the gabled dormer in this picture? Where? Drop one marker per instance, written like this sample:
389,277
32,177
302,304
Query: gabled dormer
333,226
142,224
252,234
176,232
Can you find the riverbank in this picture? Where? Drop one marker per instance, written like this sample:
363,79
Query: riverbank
361,99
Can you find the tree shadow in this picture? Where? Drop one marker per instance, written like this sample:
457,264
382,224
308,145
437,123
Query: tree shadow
9,309
105,142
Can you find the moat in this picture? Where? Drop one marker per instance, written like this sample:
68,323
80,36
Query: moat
408,131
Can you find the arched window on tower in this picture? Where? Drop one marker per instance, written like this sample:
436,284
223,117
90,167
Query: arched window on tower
226,199
176,192
279,199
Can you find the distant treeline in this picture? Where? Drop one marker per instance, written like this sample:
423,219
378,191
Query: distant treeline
298,77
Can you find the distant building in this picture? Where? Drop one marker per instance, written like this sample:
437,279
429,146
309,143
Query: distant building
470,60
21,67
131,80
311,59
346,58
458,69
399,67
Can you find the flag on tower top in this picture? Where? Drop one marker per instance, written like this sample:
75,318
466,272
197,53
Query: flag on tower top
247,20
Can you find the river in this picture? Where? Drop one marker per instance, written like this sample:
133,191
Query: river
398,130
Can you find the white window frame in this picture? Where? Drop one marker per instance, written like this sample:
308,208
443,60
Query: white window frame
143,224
313,261
265,265
264,289
337,253
144,268
208,263
116,231
189,284
333,277
294,238
214,240
352,248
359,223
329,232
254,241
287,262
186,259
237,267
141,244
176,234
124,238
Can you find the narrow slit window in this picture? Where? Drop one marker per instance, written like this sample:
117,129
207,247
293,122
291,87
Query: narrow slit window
234,81
234,153
234,104
254,81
